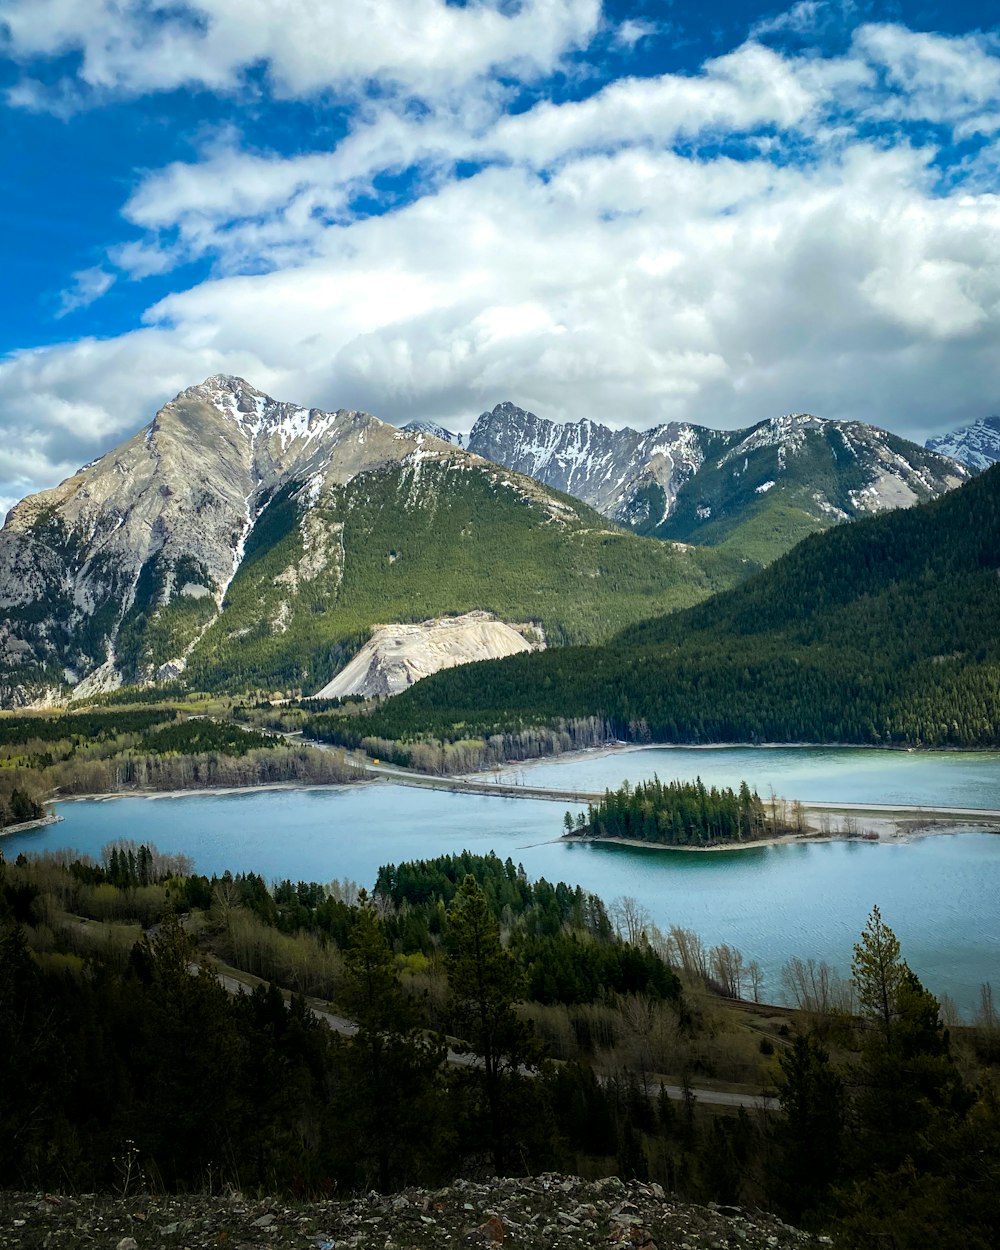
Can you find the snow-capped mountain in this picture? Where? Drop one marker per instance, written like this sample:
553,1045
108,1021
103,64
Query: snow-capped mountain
765,486
435,431
977,445
615,471
238,542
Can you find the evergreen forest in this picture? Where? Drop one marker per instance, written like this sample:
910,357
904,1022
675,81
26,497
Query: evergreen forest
886,1128
881,632
677,813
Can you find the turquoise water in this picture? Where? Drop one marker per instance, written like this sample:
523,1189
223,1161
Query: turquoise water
939,893
812,774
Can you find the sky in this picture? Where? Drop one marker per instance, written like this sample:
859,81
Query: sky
633,212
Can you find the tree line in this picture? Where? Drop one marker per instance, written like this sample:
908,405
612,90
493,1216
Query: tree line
152,748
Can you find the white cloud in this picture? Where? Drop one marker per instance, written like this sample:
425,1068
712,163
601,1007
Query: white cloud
607,260
633,31
235,204
427,46
88,285
943,79
806,17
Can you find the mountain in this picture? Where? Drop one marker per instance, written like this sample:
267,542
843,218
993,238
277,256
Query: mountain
756,490
976,445
884,631
436,431
238,542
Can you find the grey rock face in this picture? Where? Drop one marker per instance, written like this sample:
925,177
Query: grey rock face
608,469
673,480
977,445
159,522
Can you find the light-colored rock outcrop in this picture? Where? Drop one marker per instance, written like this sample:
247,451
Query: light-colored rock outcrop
398,655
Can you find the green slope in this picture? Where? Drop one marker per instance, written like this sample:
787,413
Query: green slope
884,631
416,541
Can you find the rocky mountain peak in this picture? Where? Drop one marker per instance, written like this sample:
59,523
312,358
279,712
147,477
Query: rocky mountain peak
434,430
977,445
695,484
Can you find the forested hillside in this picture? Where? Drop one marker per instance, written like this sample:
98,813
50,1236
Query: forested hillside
421,540
884,631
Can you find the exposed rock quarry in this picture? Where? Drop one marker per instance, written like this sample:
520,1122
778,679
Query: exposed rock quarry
548,1212
398,655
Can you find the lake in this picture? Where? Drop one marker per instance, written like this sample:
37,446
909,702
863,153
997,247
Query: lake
939,893
811,774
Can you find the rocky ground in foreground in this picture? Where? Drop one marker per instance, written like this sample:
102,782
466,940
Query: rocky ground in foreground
537,1213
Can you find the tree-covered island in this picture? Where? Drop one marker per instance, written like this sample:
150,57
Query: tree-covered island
684,813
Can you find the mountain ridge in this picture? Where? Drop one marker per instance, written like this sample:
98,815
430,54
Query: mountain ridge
976,445
237,538
681,481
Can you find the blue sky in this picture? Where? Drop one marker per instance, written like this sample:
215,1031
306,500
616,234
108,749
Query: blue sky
630,212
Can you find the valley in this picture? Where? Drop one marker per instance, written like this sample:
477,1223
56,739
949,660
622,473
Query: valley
305,707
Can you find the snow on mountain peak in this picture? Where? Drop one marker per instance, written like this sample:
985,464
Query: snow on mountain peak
977,445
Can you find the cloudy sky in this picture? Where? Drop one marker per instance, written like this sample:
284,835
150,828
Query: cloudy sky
626,211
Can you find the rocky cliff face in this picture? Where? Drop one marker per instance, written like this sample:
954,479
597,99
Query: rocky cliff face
976,445
765,486
162,522
615,471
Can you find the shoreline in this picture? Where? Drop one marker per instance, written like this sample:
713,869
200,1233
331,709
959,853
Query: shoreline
883,831
618,747
204,791
40,822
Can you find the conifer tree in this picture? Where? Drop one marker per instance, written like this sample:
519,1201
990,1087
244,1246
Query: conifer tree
485,983
388,1102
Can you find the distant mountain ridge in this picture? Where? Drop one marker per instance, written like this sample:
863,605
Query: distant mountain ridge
758,489
240,542
976,445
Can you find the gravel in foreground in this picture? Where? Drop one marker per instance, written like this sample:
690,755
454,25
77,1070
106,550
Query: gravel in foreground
548,1212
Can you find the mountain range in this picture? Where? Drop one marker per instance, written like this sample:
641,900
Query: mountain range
756,490
239,542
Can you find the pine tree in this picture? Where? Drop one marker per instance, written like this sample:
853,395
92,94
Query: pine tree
389,1100
879,972
485,983
809,1135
